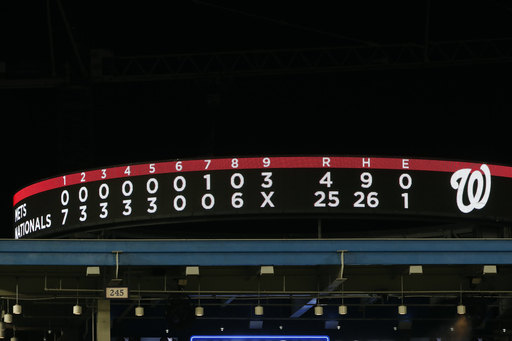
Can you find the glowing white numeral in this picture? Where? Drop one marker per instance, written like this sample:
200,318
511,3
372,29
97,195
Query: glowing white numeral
83,215
266,162
127,207
127,188
320,202
179,166
371,199
103,173
152,205
234,163
64,197
268,182
359,203
405,184
366,179
240,178
406,200
151,167
104,191
83,194
179,183
236,200
127,171
65,211
208,182
83,177
334,201
207,163
326,180
180,203
210,198
152,186
104,212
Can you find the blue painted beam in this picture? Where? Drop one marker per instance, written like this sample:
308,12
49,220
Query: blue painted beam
255,252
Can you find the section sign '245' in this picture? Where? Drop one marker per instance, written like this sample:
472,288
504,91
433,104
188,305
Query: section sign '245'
138,194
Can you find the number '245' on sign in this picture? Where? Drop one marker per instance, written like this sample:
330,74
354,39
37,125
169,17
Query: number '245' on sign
117,293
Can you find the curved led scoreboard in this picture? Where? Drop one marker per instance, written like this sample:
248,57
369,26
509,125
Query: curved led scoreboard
242,188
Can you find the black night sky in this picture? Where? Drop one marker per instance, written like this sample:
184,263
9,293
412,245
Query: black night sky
454,111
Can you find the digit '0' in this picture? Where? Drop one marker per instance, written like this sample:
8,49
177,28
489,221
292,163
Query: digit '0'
240,181
127,188
104,191
152,186
64,198
179,183
405,184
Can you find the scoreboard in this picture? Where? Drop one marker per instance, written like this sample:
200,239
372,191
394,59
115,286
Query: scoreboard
159,192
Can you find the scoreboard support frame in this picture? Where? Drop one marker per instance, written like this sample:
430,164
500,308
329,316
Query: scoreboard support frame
255,252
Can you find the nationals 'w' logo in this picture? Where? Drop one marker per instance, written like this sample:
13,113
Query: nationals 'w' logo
475,191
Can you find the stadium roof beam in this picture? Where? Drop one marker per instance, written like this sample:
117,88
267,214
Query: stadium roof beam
254,252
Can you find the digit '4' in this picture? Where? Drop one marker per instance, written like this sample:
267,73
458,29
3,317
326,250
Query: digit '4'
326,180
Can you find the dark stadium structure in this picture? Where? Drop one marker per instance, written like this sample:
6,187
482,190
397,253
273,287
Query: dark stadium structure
250,171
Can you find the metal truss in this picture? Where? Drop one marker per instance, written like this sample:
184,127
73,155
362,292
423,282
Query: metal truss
251,63
107,68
